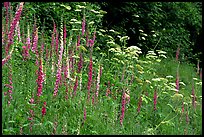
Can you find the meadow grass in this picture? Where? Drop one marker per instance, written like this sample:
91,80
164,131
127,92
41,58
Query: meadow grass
143,89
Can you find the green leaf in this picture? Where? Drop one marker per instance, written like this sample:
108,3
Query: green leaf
67,7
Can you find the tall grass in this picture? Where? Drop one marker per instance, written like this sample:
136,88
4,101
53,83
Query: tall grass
67,92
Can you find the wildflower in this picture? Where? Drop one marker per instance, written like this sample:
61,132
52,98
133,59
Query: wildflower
13,25
53,39
35,41
40,79
194,98
28,38
58,75
44,109
91,42
57,41
155,99
123,109
5,60
75,85
80,63
6,5
177,53
83,25
177,81
93,98
18,31
139,104
98,79
90,74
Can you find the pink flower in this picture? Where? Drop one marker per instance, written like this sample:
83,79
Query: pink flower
91,42
40,80
44,109
177,53
58,75
90,74
31,101
35,42
155,99
123,109
57,41
80,63
75,85
78,41
13,25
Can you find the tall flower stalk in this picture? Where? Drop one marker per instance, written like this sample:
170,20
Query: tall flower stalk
83,25
177,53
13,25
90,76
177,80
58,75
155,100
40,79
123,109
98,79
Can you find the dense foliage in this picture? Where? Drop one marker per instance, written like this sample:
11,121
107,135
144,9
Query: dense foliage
158,25
63,72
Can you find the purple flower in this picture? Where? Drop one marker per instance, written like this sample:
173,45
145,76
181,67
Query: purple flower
75,85
123,109
90,74
80,63
5,60
91,42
